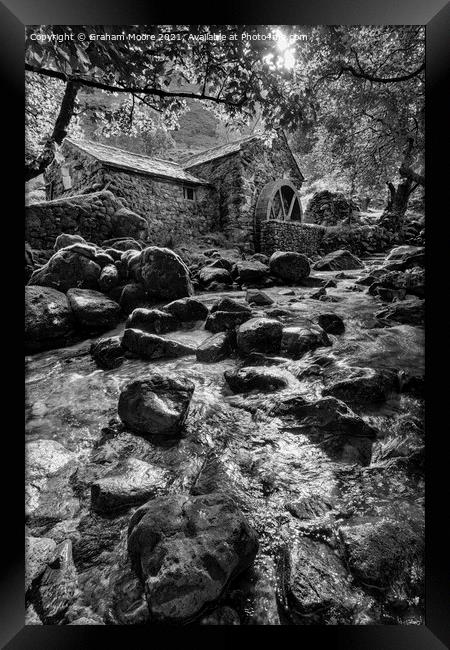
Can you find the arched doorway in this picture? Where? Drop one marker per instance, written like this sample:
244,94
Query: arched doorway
279,200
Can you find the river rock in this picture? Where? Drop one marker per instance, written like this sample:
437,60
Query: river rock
405,257
133,296
314,587
64,240
257,378
187,309
65,270
152,346
92,310
222,321
109,278
289,266
108,353
131,483
39,551
221,263
163,274
340,260
250,272
215,348
123,244
410,312
48,318
411,282
210,274
58,587
331,323
259,335
329,422
230,304
380,551
151,320
187,549
364,386
296,341
258,297
156,406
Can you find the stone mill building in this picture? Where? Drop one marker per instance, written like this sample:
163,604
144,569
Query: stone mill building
247,189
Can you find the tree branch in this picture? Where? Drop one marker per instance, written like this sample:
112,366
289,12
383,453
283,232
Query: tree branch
156,92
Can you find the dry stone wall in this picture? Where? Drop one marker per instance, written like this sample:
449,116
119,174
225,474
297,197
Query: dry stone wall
96,217
291,236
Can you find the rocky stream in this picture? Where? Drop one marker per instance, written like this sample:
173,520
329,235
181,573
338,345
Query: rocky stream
271,476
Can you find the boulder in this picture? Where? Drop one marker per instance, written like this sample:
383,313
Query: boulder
229,304
258,297
64,240
410,312
108,353
340,260
151,320
259,335
331,323
39,551
250,272
66,270
222,321
156,406
364,386
342,434
405,257
381,551
58,587
131,483
221,263
411,282
260,257
123,244
258,378
92,310
215,348
297,341
314,588
163,274
133,295
48,318
152,346
211,274
187,549
109,278
187,309
289,266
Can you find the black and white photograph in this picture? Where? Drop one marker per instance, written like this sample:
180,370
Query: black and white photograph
225,325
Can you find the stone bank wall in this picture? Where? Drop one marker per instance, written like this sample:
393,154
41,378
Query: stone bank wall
291,236
172,219
96,217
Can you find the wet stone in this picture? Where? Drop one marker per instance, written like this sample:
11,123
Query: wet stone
216,347
259,335
108,353
132,482
187,549
152,346
152,321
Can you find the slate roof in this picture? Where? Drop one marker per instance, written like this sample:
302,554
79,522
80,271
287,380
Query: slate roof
126,160
218,152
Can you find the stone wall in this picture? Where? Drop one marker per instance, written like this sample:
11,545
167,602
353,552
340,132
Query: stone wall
172,219
291,236
86,174
96,217
240,177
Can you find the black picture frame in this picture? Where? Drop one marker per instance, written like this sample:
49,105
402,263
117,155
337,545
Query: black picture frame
435,14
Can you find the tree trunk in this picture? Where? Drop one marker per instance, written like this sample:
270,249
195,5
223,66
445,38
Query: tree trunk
398,198
40,164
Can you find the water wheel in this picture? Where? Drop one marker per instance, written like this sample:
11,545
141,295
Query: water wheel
279,200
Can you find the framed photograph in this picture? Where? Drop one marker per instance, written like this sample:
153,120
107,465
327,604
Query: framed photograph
228,414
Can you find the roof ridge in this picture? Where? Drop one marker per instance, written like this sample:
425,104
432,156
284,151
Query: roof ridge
112,148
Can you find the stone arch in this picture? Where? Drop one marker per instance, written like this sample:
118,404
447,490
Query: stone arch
279,200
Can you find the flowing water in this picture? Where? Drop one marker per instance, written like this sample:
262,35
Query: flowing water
230,443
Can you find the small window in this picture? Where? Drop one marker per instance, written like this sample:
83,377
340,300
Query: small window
189,193
66,178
